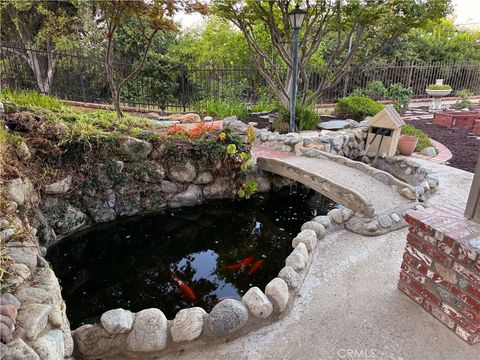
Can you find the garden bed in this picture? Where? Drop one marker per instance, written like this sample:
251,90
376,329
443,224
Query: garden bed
462,144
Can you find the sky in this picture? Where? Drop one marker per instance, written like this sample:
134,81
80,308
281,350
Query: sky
467,13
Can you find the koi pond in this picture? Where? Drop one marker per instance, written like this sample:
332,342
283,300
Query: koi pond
182,257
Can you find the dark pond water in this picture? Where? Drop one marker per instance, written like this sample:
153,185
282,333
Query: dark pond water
217,250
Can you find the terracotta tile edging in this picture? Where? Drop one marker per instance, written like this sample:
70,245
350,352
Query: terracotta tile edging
444,154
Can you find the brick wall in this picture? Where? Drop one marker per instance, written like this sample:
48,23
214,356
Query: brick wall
443,120
441,268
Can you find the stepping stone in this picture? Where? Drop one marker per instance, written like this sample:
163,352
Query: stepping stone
334,125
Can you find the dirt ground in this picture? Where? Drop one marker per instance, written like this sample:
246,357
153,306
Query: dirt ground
463,145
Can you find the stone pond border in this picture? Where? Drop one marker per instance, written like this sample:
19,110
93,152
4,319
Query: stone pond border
36,315
148,332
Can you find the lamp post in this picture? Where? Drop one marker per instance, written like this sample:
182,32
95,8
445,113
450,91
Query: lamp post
296,18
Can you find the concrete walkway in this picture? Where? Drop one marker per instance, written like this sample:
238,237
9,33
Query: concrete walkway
349,306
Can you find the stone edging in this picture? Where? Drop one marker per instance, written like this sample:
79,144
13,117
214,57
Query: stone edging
401,187
409,171
444,153
148,332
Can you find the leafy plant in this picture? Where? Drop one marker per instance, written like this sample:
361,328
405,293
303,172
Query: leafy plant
250,134
376,90
306,118
247,189
423,139
357,107
400,95
221,108
464,102
280,125
231,149
264,104
439,87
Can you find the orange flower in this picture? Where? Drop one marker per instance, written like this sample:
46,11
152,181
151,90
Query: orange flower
196,132
176,130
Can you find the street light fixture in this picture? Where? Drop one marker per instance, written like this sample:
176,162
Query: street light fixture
296,18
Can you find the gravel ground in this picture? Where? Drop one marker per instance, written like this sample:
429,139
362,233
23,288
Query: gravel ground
463,145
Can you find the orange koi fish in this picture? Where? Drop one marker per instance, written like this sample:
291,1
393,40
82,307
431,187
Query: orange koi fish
240,264
258,264
184,288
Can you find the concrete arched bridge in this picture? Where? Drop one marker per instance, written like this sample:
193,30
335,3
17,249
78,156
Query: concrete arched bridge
355,185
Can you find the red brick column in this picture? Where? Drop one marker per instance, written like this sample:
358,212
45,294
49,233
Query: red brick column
441,268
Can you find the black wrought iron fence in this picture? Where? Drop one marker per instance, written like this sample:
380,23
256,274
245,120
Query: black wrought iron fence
175,87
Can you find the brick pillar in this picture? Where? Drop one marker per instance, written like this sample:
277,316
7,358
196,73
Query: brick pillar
441,268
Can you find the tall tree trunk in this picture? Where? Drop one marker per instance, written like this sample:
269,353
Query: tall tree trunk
114,88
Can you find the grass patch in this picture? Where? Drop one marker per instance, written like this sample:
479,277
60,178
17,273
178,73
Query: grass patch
219,108
31,98
80,125
7,138
423,139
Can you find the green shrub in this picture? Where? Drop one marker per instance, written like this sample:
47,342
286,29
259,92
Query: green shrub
357,107
400,96
423,139
263,105
220,108
376,90
306,118
464,102
439,87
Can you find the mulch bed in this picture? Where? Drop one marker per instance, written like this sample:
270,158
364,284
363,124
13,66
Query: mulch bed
463,145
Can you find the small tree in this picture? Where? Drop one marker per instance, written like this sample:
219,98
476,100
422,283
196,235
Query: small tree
36,30
151,17
336,36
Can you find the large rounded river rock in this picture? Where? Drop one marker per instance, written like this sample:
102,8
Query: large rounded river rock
227,317
149,331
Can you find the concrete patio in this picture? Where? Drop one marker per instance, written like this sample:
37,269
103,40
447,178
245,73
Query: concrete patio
349,306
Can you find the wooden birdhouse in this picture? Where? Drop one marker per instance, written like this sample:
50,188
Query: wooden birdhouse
384,131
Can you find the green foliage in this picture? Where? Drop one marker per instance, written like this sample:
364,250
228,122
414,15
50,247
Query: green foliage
81,126
437,41
220,108
31,98
464,102
372,24
231,149
400,96
264,105
247,189
250,134
306,117
214,43
357,107
423,139
376,90
7,138
439,87
55,24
